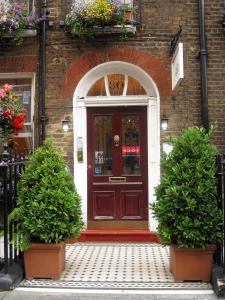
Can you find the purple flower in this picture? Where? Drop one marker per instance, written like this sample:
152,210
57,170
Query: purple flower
15,16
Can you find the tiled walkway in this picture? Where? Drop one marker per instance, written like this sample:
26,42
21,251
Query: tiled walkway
118,262
116,266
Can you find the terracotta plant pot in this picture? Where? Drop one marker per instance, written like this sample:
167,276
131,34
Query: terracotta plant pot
44,261
129,15
192,264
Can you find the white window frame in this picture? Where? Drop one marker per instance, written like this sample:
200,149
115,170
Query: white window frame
107,89
25,75
127,2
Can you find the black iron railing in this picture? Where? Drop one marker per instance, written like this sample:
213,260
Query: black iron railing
219,257
10,169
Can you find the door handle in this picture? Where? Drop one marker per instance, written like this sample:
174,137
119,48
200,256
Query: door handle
116,140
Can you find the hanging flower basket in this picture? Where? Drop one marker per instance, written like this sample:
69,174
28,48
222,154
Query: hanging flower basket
12,113
93,17
16,21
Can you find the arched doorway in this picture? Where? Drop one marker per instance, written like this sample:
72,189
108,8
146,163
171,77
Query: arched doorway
126,95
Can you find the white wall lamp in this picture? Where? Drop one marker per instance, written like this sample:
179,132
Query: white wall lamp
164,122
66,123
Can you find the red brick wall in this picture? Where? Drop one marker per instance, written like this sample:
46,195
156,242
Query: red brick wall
15,64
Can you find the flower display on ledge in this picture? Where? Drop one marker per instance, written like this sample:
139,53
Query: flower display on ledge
15,18
12,113
86,16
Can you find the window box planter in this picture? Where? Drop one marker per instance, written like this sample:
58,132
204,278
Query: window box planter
90,19
17,21
30,32
16,39
115,29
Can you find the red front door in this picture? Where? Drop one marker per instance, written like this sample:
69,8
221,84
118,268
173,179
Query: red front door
117,168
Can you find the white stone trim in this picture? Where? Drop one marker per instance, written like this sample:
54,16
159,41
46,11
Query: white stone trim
115,29
114,101
152,101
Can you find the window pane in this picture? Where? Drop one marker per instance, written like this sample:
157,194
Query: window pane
28,3
131,145
127,2
98,89
24,140
24,93
103,145
134,87
116,84
22,88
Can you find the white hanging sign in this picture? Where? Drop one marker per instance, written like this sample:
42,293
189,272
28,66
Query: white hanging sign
177,66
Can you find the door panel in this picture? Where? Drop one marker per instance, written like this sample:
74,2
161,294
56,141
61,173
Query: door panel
117,165
131,205
103,205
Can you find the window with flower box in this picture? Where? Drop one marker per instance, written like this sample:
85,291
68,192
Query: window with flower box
128,5
28,3
92,18
23,86
18,20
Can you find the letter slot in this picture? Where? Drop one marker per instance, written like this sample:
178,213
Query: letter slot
117,179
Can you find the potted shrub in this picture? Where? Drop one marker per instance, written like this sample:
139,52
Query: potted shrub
16,21
48,213
189,219
88,18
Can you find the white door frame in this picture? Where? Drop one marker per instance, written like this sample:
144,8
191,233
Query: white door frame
152,101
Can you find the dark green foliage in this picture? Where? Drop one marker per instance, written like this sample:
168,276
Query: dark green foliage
186,198
48,205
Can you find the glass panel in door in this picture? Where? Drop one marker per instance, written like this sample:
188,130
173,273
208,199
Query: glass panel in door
131,145
103,145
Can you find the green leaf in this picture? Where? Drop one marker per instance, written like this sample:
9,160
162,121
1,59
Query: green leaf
48,203
186,198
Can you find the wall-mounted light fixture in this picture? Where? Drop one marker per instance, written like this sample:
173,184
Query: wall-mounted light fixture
66,123
164,122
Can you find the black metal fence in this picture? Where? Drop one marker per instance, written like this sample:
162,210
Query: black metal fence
10,169
219,257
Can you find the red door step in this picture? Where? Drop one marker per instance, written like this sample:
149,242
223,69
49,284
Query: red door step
118,236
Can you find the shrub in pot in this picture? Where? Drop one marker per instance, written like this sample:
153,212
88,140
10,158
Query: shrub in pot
189,219
48,212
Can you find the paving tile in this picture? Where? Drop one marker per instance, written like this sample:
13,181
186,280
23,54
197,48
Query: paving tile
116,266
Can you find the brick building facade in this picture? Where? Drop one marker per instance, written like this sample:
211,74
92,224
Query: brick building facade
71,60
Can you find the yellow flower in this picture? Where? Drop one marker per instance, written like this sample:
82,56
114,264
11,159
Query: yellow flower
101,11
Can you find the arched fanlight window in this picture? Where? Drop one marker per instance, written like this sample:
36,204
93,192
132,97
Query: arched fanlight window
116,85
